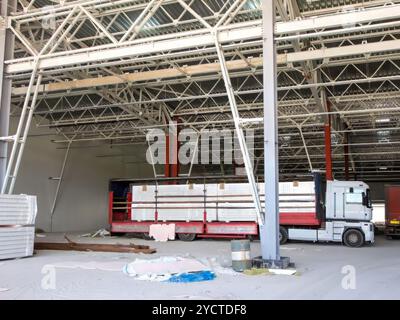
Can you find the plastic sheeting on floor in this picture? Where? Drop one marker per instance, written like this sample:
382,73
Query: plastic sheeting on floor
192,277
168,268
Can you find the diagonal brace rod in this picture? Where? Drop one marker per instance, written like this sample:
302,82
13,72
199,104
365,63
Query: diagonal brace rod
239,132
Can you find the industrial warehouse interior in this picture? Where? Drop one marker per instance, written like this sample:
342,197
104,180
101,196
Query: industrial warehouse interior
199,150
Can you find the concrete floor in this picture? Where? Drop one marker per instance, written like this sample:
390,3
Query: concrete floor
320,267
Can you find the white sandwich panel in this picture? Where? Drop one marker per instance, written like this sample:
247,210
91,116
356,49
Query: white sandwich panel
16,242
235,203
17,209
180,202
223,202
295,196
17,231
211,201
143,203
297,187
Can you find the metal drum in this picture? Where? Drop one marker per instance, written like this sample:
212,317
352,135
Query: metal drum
240,255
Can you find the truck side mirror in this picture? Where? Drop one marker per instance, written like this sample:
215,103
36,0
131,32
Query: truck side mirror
364,199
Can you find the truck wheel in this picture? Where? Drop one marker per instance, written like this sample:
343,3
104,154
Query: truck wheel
283,235
186,236
353,238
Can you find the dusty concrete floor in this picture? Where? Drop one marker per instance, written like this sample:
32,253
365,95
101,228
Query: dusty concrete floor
320,266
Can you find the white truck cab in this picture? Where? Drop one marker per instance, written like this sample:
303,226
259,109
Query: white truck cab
348,200
348,215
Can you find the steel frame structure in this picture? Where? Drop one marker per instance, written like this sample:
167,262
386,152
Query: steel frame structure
110,70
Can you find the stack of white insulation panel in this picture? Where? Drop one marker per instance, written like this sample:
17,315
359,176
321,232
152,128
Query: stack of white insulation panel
17,225
221,202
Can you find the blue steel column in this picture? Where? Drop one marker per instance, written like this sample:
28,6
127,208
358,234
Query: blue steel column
6,53
269,233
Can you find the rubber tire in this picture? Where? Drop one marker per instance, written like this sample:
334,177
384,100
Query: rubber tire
283,235
353,238
186,236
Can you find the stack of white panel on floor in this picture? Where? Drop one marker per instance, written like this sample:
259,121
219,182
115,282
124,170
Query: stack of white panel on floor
17,225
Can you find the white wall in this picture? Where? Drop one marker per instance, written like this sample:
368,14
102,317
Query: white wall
83,199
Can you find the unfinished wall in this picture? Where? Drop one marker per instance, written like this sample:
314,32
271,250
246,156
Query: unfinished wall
83,199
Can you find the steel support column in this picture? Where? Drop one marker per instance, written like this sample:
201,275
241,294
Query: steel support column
6,53
269,232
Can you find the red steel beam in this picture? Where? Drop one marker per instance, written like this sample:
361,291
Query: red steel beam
110,206
129,204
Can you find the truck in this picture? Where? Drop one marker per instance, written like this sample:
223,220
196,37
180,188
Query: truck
392,211
332,211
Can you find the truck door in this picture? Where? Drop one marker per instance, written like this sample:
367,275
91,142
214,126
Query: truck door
353,207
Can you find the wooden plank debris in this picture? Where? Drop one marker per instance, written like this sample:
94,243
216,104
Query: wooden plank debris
99,247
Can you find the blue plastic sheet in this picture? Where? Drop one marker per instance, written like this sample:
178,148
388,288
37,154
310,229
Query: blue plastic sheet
192,277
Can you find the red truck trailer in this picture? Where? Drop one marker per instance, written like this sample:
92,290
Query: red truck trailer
225,210
392,211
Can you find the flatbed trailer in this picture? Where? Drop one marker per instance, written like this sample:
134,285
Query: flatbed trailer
226,211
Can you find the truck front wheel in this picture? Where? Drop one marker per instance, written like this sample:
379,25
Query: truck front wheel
283,235
353,238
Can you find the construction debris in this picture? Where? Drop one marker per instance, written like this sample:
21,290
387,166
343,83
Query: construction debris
101,233
163,269
192,277
73,246
256,272
116,266
219,268
265,271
